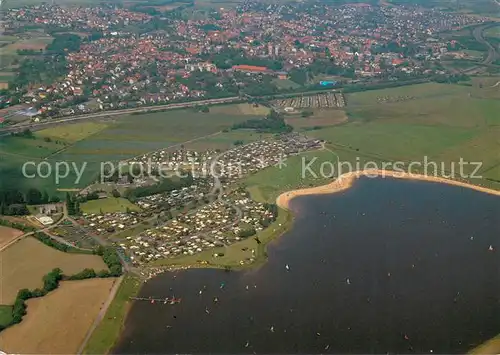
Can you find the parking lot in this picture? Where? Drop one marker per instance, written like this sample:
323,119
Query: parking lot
323,100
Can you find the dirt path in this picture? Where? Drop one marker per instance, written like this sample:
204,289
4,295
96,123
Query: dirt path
101,314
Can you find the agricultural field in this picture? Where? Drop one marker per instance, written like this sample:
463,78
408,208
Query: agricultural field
72,132
58,322
240,109
492,32
319,118
35,147
88,144
442,122
27,261
38,43
478,7
8,234
108,205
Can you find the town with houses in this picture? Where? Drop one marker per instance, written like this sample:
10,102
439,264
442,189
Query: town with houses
113,58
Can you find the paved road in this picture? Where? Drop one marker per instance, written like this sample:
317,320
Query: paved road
478,34
101,314
40,125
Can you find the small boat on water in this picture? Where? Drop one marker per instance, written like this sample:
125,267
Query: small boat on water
348,281
175,300
287,267
491,248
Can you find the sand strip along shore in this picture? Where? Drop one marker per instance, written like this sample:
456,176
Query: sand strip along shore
345,181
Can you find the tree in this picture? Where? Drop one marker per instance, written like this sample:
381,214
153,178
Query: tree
115,193
45,197
33,197
307,113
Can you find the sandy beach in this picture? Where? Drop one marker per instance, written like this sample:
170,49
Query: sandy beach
345,181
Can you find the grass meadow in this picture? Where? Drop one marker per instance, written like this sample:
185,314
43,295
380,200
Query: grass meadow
108,205
58,322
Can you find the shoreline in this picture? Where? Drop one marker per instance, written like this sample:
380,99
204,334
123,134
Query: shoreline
345,181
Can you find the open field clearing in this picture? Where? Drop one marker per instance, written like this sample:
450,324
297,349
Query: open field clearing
7,234
417,91
57,323
240,109
108,205
26,262
484,148
28,147
394,141
72,132
320,118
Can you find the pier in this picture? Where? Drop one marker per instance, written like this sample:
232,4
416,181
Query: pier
165,300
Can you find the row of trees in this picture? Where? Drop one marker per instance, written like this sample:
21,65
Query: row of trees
72,205
52,279
19,226
45,239
50,282
273,123
13,202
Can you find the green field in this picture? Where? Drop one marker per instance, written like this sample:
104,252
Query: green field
226,140
492,32
108,331
72,132
5,316
91,143
108,205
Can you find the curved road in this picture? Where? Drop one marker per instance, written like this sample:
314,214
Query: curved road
478,34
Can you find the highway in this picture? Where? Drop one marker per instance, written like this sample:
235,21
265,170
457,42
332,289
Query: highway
103,114
478,34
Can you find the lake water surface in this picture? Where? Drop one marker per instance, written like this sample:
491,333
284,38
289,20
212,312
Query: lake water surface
386,266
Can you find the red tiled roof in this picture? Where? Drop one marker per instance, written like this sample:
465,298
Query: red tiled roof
249,68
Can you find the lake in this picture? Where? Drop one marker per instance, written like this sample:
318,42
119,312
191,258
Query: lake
386,266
